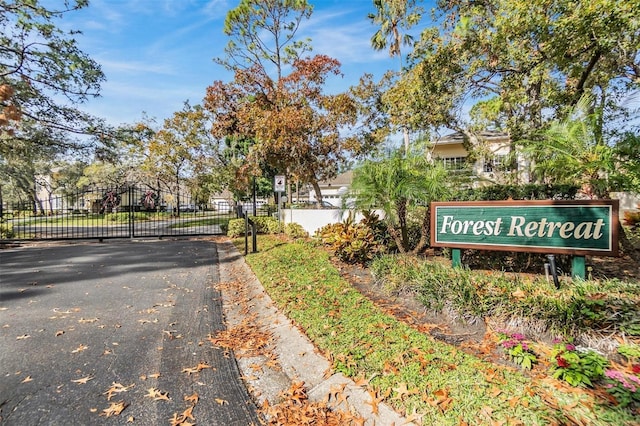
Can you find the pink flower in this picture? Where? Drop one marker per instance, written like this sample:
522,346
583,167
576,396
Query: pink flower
570,347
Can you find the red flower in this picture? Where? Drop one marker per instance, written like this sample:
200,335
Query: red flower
561,362
635,368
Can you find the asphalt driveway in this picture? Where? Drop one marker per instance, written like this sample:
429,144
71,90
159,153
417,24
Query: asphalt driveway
116,333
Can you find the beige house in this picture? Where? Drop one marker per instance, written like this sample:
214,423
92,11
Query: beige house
493,148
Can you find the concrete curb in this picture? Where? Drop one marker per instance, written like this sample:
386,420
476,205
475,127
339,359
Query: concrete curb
296,355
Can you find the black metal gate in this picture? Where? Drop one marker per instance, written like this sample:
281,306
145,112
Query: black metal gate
127,212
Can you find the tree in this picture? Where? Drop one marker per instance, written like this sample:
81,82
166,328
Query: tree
393,16
398,185
42,70
294,127
572,150
536,58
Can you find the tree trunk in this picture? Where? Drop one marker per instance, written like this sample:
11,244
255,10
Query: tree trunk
625,244
316,190
424,233
397,238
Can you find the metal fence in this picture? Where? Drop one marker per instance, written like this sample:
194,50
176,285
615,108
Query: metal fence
116,213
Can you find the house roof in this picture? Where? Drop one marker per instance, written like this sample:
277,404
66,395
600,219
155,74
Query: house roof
458,137
343,179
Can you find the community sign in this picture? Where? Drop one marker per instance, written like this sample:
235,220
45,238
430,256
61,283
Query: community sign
570,227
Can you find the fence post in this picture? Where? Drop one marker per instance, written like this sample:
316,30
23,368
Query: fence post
131,224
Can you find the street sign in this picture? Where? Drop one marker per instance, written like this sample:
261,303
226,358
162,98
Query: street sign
279,184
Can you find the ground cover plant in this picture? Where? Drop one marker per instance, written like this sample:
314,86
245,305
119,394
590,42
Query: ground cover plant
428,381
579,308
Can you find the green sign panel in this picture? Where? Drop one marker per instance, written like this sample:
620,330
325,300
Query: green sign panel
588,227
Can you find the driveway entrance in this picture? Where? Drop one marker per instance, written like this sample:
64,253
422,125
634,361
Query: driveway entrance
94,333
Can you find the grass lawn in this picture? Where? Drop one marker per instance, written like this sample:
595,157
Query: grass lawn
428,381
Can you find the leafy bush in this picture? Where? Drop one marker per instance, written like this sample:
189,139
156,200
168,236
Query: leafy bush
267,224
351,242
519,192
235,228
264,225
6,231
625,388
295,230
123,217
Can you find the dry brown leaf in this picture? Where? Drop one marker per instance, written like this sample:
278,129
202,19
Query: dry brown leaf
117,388
80,349
27,379
83,380
114,409
59,333
192,398
221,401
24,336
157,395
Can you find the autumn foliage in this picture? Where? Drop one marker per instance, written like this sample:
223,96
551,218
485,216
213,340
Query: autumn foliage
295,126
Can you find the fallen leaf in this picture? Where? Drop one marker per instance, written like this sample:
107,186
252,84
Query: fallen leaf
80,349
157,395
114,409
83,380
59,333
27,379
117,388
87,320
24,336
192,398
222,401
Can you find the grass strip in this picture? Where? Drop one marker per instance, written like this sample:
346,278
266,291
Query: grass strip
422,378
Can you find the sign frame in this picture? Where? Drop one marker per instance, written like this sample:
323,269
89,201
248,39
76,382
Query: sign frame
279,183
613,225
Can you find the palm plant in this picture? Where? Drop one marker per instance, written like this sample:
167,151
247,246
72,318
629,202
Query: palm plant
399,184
392,16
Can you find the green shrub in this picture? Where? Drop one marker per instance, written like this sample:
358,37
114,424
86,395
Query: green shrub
577,367
352,243
235,228
519,192
6,231
123,217
267,224
295,230
264,225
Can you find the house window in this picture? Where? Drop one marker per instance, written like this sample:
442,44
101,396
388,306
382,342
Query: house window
496,163
454,163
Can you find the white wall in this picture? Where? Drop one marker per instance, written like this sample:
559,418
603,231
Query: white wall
628,201
313,219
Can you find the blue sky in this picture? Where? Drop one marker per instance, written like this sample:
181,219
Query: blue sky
158,53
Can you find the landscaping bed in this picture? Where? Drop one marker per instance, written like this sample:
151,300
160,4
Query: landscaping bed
388,347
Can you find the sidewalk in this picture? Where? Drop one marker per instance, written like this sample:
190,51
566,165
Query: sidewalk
296,355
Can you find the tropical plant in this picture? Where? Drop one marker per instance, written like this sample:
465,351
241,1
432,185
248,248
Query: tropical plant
393,16
397,184
351,242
